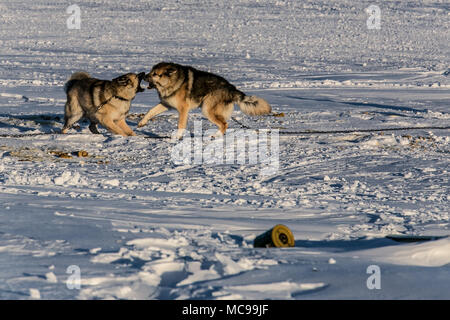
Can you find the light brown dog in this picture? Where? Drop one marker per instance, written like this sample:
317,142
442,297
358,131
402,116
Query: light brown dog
185,88
101,101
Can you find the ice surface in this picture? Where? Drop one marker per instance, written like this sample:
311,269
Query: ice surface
138,226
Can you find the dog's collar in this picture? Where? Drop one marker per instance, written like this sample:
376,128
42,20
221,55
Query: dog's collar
101,105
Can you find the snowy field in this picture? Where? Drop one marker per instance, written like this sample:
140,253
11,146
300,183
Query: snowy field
134,224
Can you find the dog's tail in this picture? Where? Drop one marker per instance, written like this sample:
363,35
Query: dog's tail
252,105
75,77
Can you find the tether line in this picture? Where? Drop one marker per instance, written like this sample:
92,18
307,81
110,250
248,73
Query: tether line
304,132
281,132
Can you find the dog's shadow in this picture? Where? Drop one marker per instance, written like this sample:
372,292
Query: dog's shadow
47,123
52,123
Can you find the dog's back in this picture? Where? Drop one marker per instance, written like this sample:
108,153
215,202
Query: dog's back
74,78
205,83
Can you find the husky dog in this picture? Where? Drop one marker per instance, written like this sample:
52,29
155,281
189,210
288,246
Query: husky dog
185,88
101,101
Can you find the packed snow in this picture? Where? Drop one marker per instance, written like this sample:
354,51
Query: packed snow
127,221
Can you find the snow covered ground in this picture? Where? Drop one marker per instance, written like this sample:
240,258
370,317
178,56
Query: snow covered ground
135,225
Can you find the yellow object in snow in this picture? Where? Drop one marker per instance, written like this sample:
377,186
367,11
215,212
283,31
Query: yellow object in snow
279,236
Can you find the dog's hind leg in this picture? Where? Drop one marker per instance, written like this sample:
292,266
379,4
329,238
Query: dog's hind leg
72,114
93,128
218,114
220,121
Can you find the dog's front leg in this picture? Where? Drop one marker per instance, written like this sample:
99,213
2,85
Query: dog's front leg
182,123
109,124
153,112
123,124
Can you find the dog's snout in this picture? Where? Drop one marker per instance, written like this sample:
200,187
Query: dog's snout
141,75
148,78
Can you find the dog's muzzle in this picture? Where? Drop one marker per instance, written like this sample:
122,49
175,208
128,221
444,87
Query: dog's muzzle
140,77
148,78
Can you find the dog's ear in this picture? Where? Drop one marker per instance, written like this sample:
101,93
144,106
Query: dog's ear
171,70
122,81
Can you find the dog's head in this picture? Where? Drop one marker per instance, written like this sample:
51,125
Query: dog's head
163,75
129,84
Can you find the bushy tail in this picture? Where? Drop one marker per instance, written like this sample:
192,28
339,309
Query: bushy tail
75,77
253,105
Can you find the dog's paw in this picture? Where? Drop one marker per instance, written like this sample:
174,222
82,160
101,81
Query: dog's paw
217,135
178,135
141,124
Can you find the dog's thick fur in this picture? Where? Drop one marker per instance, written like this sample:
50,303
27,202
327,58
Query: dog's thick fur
185,88
101,101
